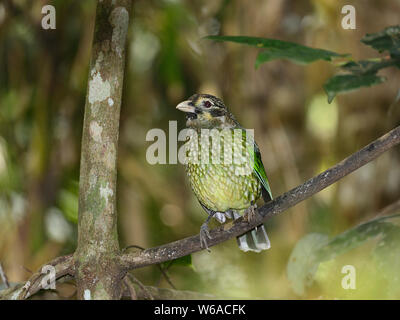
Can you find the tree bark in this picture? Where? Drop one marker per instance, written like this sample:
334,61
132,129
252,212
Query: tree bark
97,271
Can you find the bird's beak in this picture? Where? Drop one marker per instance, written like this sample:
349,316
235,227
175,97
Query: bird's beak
186,106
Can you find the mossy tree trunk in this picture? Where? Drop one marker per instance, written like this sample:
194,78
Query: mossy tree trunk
98,274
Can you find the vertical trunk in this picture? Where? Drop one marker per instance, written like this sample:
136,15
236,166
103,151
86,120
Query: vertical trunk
97,272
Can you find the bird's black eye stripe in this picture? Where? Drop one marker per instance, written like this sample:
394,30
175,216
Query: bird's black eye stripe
207,104
217,112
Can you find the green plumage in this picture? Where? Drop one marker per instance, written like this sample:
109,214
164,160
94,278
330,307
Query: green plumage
221,187
224,167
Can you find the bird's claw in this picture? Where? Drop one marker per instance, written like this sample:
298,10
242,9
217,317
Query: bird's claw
204,234
251,214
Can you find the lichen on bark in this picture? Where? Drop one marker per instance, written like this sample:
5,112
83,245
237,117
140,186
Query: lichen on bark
96,258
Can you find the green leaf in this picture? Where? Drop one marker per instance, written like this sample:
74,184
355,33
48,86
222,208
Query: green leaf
385,40
297,54
278,49
349,82
185,261
68,201
355,237
303,262
315,248
370,66
387,257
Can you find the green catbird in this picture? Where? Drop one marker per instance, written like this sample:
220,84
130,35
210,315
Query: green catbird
227,176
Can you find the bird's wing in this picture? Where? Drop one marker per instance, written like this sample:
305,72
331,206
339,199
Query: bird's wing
258,166
260,171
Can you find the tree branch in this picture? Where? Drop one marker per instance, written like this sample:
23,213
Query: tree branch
289,199
63,266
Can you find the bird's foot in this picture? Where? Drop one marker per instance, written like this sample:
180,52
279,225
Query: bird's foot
204,234
251,214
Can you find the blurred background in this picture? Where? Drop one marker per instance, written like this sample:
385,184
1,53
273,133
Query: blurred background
43,80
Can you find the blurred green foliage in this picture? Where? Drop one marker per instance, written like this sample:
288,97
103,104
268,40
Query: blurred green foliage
43,80
363,73
315,248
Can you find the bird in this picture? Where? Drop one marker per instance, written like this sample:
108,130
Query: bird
225,189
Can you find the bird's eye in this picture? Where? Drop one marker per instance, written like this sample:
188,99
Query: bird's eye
207,104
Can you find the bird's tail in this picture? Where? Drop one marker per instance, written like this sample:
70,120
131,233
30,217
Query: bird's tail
255,240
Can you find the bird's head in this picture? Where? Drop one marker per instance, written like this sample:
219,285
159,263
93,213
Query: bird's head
205,111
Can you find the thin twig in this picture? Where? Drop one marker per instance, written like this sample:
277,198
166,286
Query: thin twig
389,209
166,276
132,246
135,280
280,204
27,270
130,287
4,277
395,206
